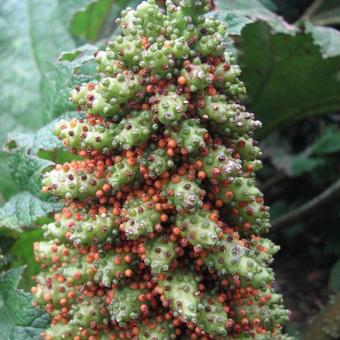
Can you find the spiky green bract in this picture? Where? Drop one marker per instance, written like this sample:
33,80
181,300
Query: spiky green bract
232,258
79,226
49,252
170,107
246,203
122,173
265,308
107,64
200,230
226,74
134,131
155,330
77,272
156,161
180,292
80,135
242,189
189,135
140,218
263,250
197,75
228,116
160,252
213,42
89,313
185,195
219,163
61,331
72,181
247,148
126,304
49,290
211,316
109,96
111,267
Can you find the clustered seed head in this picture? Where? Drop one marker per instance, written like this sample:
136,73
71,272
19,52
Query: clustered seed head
160,236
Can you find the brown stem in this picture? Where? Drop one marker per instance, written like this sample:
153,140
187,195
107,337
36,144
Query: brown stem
309,207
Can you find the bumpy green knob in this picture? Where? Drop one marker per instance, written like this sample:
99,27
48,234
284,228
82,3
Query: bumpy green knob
155,330
140,218
232,258
79,227
112,268
90,313
219,164
81,135
73,181
156,161
180,293
199,228
160,252
126,304
189,135
108,97
170,107
50,290
197,76
240,189
134,131
122,173
211,316
184,195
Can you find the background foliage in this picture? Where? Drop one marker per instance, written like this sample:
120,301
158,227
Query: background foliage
289,52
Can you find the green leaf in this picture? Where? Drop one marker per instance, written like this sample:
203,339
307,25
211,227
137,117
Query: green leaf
329,141
327,38
334,278
88,23
74,67
7,185
47,146
23,211
237,14
31,40
303,163
22,255
283,77
19,320
95,21
25,167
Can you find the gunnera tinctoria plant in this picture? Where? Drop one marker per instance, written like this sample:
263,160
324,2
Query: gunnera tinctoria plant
160,236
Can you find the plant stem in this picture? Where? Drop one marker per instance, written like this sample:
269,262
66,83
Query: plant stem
310,10
313,205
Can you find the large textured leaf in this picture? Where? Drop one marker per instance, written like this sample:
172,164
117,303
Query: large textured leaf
74,67
327,38
239,13
31,39
19,320
283,74
23,211
25,167
22,255
96,20
7,185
